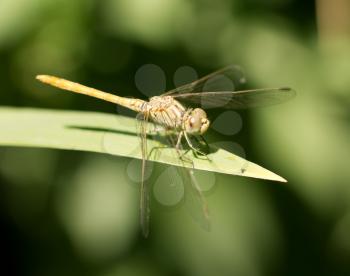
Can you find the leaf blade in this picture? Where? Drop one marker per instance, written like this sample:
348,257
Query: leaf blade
104,133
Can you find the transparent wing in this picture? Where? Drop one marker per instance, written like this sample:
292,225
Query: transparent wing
229,78
194,200
142,123
238,99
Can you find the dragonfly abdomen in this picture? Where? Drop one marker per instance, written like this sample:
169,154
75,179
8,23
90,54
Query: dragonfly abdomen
133,104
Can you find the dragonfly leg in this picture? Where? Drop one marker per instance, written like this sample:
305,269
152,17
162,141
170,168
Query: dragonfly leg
205,141
178,147
200,139
179,138
159,132
155,151
196,151
185,159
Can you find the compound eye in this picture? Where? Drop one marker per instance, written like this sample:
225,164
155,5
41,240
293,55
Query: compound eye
195,123
200,113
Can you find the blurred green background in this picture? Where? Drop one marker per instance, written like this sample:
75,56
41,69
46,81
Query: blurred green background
74,213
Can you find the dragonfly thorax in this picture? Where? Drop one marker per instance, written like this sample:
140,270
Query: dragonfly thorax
167,111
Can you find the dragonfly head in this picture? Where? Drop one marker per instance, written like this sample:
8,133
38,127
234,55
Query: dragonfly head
196,122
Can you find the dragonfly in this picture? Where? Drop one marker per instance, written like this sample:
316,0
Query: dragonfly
181,111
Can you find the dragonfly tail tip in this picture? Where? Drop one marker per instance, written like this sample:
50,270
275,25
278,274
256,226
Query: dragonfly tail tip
41,78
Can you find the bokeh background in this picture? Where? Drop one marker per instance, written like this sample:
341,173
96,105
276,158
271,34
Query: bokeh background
74,213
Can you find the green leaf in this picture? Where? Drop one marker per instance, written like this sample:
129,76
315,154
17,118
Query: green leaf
105,133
